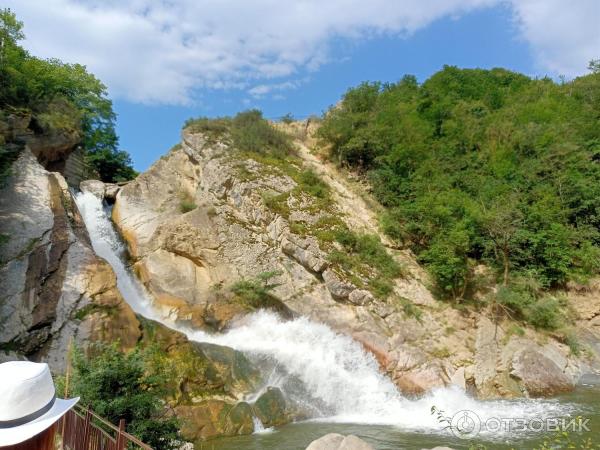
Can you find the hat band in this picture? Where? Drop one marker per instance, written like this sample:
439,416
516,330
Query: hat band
29,417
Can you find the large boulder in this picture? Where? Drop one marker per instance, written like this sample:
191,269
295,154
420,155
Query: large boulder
214,418
271,408
539,375
334,441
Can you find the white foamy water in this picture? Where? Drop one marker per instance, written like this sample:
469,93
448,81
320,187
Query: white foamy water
327,373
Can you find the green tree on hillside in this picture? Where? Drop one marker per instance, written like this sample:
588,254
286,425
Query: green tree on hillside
60,96
118,386
481,166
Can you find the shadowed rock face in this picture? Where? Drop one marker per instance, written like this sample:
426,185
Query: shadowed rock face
54,288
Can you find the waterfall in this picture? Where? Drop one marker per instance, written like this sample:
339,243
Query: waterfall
327,372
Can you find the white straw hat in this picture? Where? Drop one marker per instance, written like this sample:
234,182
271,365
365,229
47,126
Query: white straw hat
28,403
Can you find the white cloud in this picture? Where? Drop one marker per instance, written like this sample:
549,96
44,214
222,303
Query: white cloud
161,50
564,35
260,90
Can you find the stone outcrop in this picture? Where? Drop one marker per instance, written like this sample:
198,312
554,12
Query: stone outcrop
539,375
334,441
202,217
54,289
271,408
209,384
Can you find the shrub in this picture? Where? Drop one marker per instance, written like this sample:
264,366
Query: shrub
309,182
112,165
287,118
60,97
381,288
186,203
252,133
216,127
255,292
544,313
118,386
370,251
467,172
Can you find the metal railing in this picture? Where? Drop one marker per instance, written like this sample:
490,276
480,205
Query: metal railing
81,429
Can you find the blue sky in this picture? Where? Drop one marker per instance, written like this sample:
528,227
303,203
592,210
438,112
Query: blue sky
164,62
483,39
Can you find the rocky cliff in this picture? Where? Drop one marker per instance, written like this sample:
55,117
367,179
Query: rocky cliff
207,215
54,288
57,292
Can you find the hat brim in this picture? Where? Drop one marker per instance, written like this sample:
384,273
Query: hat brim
16,435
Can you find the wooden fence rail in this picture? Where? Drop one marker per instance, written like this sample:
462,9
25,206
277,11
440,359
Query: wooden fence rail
81,429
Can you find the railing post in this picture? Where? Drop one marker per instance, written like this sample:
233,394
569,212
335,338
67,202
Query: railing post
86,429
120,437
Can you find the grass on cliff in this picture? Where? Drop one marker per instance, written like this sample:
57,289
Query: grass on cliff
365,259
249,132
186,203
255,292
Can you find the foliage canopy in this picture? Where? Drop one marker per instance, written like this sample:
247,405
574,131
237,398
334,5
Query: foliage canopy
481,166
119,385
60,96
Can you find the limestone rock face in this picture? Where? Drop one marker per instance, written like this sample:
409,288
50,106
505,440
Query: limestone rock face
334,441
204,217
54,289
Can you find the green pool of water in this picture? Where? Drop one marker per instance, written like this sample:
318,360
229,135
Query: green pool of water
297,436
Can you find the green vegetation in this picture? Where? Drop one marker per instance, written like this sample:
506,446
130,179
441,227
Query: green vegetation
60,98
248,130
287,118
363,257
482,166
186,203
255,292
119,385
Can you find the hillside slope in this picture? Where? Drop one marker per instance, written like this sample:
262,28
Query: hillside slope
206,216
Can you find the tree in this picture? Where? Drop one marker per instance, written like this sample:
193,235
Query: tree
63,96
500,222
118,386
481,166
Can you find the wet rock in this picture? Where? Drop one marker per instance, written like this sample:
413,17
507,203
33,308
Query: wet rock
422,379
236,371
214,418
95,187
271,408
334,441
111,190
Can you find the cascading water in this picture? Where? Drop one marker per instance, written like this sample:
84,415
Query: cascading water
337,380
